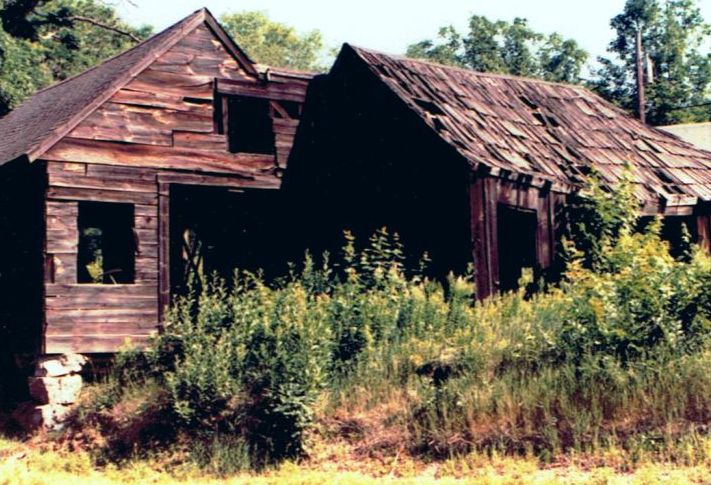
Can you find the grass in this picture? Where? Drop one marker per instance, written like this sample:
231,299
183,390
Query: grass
366,369
395,365
333,463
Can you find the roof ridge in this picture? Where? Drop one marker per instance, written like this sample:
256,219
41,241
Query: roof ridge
471,72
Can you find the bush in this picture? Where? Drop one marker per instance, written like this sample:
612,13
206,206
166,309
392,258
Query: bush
614,354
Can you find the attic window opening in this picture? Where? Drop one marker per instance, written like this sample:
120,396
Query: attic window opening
249,125
107,244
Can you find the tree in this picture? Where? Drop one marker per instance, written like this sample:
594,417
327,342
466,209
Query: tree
507,48
44,41
274,43
678,73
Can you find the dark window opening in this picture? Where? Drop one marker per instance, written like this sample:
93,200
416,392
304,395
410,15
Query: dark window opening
679,232
517,244
107,245
291,108
249,127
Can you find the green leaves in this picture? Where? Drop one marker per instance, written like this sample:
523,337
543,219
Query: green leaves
253,362
273,43
42,42
506,48
675,43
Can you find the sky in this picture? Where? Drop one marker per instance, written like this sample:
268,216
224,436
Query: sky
391,25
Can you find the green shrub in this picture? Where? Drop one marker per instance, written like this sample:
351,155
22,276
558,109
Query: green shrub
614,354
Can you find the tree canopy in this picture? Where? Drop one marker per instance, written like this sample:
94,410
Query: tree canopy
678,80
506,48
274,43
43,41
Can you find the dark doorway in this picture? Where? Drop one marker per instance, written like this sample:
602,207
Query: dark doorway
214,230
680,232
517,244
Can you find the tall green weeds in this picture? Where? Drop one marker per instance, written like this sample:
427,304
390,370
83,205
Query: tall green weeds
615,355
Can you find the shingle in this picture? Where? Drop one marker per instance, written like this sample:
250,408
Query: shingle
520,117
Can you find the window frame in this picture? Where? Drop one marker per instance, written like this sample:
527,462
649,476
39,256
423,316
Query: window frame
120,228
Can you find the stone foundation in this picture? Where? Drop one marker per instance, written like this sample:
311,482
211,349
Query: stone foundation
55,386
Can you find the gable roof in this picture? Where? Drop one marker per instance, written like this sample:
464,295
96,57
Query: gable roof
543,132
49,114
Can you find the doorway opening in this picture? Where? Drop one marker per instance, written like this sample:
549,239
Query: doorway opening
215,230
516,244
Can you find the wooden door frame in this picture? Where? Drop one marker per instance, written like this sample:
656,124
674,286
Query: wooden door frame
165,182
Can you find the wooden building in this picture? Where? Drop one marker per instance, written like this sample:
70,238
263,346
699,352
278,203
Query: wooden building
105,178
116,183
474,167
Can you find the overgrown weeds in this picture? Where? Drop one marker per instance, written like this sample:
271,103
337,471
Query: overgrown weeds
615,356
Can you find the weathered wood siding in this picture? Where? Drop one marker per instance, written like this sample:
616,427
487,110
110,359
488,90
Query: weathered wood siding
98,317
165,117
161,123
485,196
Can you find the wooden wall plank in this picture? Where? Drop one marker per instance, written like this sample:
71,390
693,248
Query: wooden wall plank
703,224
175,158
164,248
205,141
72,193
479,238
163,122
87,343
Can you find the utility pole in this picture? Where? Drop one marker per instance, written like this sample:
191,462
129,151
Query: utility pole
640,77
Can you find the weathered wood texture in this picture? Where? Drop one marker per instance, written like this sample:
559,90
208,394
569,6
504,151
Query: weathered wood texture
486,194
98,318
163,121
165,117
703,226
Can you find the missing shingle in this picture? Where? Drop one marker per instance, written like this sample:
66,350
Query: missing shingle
546,120
439,126
663,176
428,106
528,102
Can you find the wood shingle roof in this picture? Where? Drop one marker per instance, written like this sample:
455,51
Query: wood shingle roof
543,131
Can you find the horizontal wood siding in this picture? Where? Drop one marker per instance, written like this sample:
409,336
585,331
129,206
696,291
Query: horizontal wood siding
163,121
89,317
164,118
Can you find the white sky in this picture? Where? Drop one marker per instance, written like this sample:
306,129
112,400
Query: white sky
391,25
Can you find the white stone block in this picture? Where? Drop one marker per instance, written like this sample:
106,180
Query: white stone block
55,390
50,417
57,366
